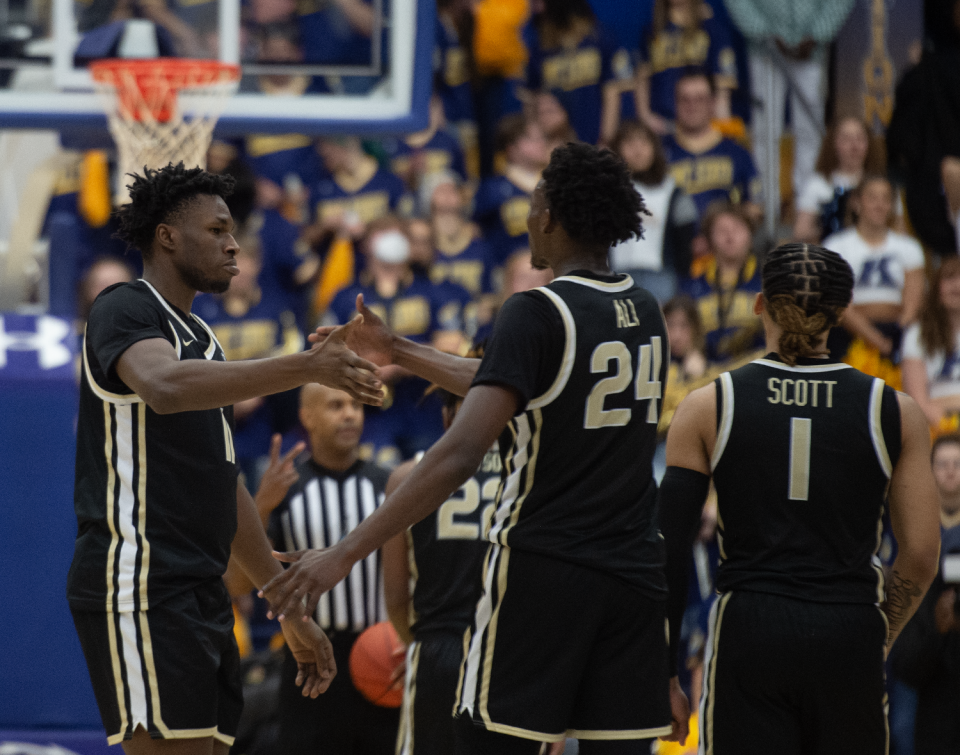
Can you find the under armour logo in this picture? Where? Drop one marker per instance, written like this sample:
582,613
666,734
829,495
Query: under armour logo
47,341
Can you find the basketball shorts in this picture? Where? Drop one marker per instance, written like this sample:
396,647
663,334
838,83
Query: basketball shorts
173,669
430,689
559,650
808,676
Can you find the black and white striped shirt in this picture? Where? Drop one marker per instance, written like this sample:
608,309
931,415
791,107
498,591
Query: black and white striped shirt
321,508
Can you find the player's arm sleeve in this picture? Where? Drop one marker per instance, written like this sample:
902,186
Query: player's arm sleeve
118,320
526,348
682,495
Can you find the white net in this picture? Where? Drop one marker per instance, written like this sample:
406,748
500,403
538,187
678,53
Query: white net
162,111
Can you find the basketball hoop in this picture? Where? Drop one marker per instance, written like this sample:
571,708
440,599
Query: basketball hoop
162,110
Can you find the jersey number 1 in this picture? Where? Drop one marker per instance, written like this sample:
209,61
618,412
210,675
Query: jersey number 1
646,386
801,429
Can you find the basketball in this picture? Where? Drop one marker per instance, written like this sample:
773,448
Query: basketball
373,661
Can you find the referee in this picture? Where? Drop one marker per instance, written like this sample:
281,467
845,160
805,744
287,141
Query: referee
334,493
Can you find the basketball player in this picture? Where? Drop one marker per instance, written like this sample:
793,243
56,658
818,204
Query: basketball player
443,554
157,496
567,638
803,452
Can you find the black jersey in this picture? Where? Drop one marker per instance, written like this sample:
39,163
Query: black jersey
801,466
586,354
155,494
319,510
446,552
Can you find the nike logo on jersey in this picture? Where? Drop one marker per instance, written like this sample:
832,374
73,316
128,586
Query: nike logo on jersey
187,343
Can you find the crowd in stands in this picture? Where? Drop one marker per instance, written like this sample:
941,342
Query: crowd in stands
431,227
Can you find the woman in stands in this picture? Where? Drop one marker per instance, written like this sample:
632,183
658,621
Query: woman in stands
931,351
683,34
888,270
662,257
573,56
846,155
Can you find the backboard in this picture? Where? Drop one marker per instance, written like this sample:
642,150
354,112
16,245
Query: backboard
310,66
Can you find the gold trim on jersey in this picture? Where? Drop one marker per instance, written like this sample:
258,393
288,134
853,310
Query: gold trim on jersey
876,427
142,496
831,367
471,671
569,351
502,564
615,734
726,419
516,731
118,399
623,285
878,567
412,616
164,303
708,698
405,733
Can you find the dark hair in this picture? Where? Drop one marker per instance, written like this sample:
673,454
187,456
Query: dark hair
158,196
827,160
561,14
510,129
936,332
806,288
696,72
654,175
688,306
661,19
590,193
944,440
717,209
853,216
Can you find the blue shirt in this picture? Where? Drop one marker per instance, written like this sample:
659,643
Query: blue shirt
501,208
730,327
283,257
275,156
452,74
669,53
382,194
576,76
725,171
471,267
441,152
328,38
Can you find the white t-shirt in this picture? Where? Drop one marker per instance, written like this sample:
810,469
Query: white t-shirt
647,253
943,371
818,191
878,271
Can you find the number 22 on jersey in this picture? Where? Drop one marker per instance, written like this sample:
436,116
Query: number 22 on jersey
646,386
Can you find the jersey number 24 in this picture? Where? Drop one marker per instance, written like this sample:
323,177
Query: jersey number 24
646,386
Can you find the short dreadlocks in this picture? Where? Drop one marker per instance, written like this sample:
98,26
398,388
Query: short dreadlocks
590,193
158,196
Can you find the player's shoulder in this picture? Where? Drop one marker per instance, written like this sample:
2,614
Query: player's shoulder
124,297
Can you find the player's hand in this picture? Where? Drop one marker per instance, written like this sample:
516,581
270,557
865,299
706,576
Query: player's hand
399,673
679,714
279,475
311,573
335,365
313,653
371,340
554,748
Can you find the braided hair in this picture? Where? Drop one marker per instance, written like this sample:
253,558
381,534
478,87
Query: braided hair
806,288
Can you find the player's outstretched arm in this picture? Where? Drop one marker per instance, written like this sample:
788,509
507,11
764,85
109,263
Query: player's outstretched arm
682,495
251,550
915,518
373,340
444,468
396,566
167,384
